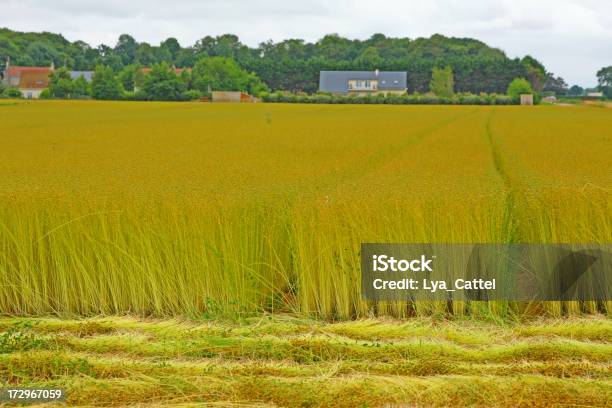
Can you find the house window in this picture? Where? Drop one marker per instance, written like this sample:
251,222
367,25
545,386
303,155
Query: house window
362,85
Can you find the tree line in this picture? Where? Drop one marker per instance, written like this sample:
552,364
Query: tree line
293,65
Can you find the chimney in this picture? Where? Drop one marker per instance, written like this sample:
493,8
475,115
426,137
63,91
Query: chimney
376,72
52,65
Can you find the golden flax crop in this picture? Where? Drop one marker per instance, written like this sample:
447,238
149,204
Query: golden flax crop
190,209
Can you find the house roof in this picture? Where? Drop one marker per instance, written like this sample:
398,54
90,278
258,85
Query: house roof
88,75
337,81
16,71
33,79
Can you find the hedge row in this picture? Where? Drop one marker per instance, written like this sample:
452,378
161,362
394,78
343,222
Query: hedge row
407,99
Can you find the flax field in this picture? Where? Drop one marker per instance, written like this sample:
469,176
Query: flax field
194,209
207,255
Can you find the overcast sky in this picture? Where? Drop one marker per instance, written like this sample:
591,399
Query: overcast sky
573,38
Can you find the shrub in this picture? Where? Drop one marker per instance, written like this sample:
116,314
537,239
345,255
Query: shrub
192,95
129,95
13,93
517,87
45,94
391,99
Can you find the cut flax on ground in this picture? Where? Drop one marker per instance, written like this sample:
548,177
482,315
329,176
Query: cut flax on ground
289,361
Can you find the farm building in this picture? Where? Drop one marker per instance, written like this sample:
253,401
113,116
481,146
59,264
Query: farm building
233,96
594,95
363,82
527,99
31,81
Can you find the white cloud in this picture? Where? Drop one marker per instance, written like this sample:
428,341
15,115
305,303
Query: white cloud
573,38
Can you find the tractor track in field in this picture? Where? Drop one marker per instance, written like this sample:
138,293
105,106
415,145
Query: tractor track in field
510,226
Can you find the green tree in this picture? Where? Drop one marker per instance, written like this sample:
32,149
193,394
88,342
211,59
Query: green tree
294,64
186,78
442,82
369,59
127,75
60,84
145,54
536,73
45,94
555,84
104,84
80,87
13,93
162,84
172,46
126,49
42,54
7,49
517,87
107,56
224,74
604,80
576,90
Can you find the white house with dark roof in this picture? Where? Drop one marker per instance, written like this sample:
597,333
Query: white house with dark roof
363,82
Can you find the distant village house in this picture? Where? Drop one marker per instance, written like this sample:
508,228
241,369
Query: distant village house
363,82
594,95
31,81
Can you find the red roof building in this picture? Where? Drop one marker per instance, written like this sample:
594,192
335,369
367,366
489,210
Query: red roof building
29,80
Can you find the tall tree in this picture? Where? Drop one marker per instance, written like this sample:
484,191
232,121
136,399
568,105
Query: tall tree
555,84
126,49
162,84
536,73
442,82
224,74
60,83
576,90
173,48
104,84
604,79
